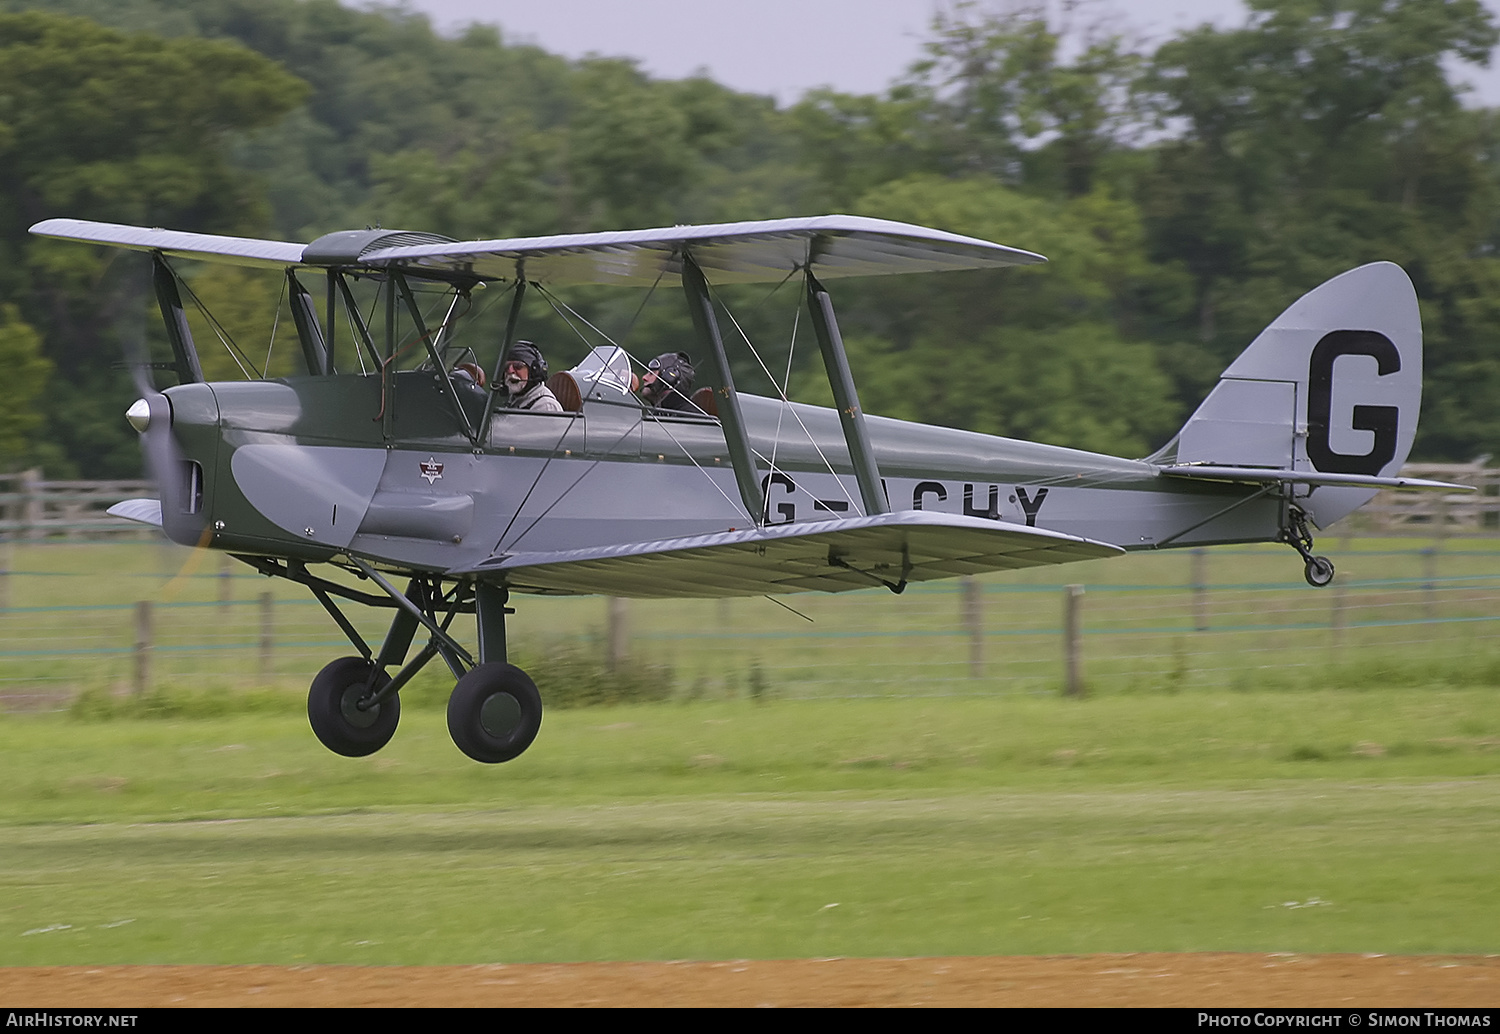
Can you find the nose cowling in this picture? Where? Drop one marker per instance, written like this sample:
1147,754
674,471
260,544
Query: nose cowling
174,464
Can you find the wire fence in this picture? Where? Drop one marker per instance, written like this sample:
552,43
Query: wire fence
132,617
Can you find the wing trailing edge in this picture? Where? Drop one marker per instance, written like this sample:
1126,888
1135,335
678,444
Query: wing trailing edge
826,556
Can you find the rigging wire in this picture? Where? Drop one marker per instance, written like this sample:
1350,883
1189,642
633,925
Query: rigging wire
275,323
558,305
787,403
225,339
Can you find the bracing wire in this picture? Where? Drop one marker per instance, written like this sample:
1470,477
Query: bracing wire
275,323
225,338
786,404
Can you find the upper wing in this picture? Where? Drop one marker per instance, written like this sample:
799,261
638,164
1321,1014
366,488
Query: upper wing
238,251
829,556
751,252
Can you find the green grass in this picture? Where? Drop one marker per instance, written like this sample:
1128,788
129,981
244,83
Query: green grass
1314,771
1268,821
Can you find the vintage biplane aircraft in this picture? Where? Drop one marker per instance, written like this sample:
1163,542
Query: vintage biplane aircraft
423,476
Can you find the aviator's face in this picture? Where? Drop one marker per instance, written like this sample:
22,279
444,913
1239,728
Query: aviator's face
516,376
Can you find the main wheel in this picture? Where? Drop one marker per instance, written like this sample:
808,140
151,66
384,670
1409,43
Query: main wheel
1319,571
335,715
494,713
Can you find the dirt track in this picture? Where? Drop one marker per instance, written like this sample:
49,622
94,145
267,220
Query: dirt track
1161,980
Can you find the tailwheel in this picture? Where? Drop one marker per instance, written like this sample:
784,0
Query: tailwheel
341,710
1319,571
494,713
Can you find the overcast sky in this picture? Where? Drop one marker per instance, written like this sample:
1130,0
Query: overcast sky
784,47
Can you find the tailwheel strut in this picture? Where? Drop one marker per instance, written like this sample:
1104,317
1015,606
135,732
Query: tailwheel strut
1318,570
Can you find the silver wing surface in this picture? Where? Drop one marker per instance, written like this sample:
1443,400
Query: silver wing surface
750,252
828,556
208,247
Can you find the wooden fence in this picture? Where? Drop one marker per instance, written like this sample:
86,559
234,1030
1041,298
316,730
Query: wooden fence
34,510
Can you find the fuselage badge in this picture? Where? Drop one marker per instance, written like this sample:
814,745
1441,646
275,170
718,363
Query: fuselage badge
431,469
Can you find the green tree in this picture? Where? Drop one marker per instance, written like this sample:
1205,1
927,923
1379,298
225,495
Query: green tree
99,124
26,372
1033,352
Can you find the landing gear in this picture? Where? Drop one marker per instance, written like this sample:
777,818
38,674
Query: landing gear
1319,569
344,712
495,712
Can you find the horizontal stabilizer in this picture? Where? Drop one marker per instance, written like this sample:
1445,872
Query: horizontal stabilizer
1265,475
826,556
146,511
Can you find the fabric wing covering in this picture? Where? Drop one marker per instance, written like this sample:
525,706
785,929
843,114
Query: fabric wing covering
767,251
826,556
750,252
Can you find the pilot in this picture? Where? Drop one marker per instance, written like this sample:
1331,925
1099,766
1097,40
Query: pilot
524,375
669,382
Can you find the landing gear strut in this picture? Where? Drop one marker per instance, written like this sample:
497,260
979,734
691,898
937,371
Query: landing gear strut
495,711
1318,570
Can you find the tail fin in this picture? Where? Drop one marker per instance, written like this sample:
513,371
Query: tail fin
1333,385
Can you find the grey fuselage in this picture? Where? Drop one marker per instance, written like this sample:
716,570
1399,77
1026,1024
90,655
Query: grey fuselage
311,467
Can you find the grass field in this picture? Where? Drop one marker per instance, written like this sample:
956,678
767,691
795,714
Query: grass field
1335,821
1311,771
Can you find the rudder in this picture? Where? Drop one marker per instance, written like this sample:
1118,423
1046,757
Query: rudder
1333,385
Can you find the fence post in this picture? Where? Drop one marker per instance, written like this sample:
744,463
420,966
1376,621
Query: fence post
226,590
1199,578
1336,620
267,626
618,643
1429,576
142,647
31,503
973,618
1072,662
7,558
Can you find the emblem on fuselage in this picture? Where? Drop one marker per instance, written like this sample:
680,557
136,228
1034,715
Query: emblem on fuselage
431,469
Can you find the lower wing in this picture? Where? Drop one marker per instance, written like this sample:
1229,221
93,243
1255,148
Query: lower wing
829,556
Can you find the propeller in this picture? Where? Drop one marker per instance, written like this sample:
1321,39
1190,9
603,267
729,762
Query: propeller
179,480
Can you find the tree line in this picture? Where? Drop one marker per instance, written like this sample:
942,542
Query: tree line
1185,193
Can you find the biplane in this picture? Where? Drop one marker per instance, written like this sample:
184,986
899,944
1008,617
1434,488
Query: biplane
440,500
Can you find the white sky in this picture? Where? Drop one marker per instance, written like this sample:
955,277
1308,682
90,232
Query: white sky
784,47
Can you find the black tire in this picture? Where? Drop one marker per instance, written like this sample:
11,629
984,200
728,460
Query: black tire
1319,571
336,720
494,713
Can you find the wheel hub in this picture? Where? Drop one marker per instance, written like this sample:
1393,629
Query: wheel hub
500,715
360,718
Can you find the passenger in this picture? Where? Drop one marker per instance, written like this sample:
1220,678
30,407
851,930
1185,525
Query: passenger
669,383
524,374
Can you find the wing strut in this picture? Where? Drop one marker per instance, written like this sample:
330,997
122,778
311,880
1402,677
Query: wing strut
836,362
735,436
184,354
305,317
